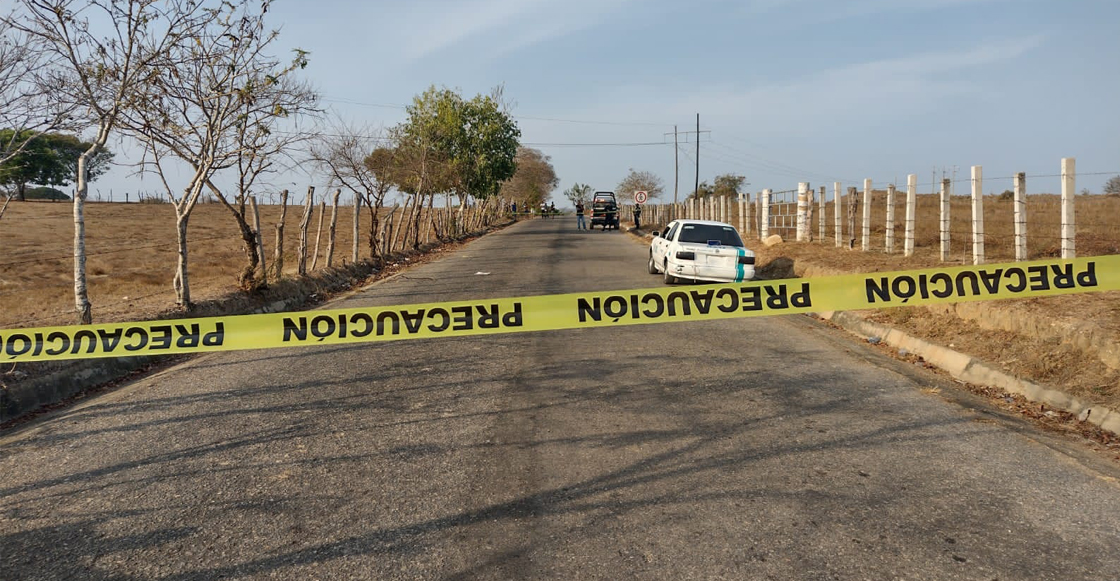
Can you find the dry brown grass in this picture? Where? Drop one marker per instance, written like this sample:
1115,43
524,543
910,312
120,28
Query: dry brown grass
131,257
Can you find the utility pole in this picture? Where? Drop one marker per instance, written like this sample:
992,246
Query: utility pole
676,170
697,189
676,153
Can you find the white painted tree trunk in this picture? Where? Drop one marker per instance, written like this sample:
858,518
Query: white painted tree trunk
81,292
182,281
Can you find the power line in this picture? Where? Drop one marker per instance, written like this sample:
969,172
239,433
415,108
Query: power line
527,117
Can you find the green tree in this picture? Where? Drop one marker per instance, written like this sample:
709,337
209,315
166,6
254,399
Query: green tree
48,159
705,190
728,185
578,193
1112,186
451,146
533,181
637,181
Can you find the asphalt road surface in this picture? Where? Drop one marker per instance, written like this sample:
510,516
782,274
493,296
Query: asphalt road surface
772,448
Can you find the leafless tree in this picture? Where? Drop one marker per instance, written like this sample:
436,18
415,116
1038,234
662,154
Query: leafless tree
193,111
267,136
103,69
356,158
27,103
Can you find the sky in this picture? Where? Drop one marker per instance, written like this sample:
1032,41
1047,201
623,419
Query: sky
786,90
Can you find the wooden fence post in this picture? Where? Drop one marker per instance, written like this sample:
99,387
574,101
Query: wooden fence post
802,211
319,233
866,227
888,243
278,261
977,215
308,210
944,220
911,206
357,224
334,224
764,215
1020,216
1069,177
257,240
837,207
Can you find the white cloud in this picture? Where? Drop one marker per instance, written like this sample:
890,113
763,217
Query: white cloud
423,29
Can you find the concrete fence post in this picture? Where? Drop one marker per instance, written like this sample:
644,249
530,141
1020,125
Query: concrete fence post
944,220
888,243
725,209
852,193
802,211
1069,232
838,229
1020,217
820,209
743,214
866,227
764,215
977,214
758,213
911,206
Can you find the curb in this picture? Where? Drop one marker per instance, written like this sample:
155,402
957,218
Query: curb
971,370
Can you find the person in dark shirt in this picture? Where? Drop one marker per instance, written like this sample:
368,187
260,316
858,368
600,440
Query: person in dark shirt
580,223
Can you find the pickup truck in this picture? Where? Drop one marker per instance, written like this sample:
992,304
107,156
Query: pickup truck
604,210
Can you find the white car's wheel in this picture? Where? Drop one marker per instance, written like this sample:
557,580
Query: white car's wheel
652,265
669,279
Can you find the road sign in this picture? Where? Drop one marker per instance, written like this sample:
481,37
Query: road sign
640,197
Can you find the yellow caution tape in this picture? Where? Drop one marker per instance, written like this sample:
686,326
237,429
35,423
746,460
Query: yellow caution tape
566,311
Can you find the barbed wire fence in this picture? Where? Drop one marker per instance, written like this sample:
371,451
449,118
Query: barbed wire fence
972,219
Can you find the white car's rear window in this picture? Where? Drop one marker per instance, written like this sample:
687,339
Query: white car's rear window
709,233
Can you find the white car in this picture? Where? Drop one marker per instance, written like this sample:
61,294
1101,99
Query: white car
700,250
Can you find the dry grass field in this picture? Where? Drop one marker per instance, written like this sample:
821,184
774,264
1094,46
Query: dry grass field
1046,361
131,257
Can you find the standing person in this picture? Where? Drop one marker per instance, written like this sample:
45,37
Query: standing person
544,210
580,223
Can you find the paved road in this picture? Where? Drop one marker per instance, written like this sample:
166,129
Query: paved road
753,449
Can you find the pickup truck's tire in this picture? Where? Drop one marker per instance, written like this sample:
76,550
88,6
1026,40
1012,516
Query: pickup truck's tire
669,279
651,266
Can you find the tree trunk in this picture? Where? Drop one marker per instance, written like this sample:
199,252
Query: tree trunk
318,233
334,225
258,240
308,209
374,226
182,282
278,261
81,292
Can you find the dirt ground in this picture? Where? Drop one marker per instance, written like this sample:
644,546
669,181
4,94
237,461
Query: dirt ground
131,257
1045,361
